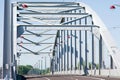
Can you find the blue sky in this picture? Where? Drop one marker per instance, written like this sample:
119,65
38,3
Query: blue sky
110,17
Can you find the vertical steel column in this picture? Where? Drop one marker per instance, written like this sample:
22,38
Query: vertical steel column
100,54
56,54
71,46
55,60
111,62
86,54
64,52
68,49
59,49
71,50
13,37
12,40
75,52
80,50
7,41
93,58
50,63
75,36
80,46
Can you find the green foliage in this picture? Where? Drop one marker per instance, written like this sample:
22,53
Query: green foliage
22,70
45,71
28,69
90,65
97,66
37,71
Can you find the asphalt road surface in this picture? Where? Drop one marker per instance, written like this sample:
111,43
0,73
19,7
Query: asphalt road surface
69,77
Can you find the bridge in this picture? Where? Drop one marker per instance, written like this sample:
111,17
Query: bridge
70,34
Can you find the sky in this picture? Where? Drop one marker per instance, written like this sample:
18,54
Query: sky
110,17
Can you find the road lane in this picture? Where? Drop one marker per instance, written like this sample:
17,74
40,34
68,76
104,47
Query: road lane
70,77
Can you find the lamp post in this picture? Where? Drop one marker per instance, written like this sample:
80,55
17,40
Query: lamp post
41,65
50,61
7,41
45,64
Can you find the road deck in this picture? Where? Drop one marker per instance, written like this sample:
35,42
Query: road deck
69,77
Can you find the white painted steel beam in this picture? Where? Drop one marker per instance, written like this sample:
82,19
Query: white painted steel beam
46,39
51,9
35,52
27,14
42,6
46,2
62,27
66,22
27,18
46,19
38,34
38,43
44,48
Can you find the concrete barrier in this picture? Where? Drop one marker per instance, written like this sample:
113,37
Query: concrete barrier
103,72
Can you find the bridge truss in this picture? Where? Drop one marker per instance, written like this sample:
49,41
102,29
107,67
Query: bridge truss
70,31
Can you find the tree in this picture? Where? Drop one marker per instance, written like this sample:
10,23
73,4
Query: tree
23,70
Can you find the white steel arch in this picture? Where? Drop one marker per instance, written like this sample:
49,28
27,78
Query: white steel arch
106,36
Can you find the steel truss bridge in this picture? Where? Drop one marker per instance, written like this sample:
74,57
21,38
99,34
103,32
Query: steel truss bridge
70,31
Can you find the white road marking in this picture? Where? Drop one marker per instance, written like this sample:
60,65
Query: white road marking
46,78
96,78
91,77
